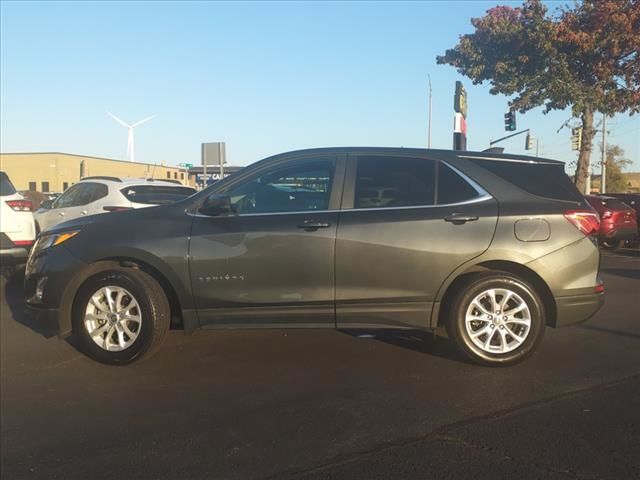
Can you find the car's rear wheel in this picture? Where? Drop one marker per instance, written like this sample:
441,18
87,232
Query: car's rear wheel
611,244
496,319
120,315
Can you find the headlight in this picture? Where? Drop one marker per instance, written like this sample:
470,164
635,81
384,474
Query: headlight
54,239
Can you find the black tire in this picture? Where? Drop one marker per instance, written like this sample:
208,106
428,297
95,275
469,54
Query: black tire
154,313
611,244
456,321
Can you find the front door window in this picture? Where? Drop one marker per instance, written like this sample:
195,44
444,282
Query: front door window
295,187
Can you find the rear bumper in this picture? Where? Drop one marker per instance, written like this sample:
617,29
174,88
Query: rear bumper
622,233
577,308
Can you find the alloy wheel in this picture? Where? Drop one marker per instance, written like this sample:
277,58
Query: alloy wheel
498,320
113,318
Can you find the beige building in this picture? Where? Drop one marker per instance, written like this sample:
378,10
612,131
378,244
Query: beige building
55,172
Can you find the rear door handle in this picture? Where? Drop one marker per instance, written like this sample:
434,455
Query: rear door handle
458,219
311,225
83,212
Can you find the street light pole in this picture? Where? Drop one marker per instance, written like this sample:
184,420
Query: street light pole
429,135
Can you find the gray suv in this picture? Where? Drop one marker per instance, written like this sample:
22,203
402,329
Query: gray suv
492,247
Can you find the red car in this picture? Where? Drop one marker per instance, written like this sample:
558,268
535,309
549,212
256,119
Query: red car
618,221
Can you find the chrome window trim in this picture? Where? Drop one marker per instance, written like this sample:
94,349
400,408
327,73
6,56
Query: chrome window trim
479,190
482,198
413,207
297,212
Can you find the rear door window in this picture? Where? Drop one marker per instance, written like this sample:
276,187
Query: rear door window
156,194
452,188
388,181
6,187
543,180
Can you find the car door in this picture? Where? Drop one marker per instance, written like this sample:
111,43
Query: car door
47,218
406,224
272,262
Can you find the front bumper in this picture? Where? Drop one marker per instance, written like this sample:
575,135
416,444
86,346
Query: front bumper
14,256
49,286
577,308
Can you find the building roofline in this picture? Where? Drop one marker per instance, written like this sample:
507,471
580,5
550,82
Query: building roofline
91,156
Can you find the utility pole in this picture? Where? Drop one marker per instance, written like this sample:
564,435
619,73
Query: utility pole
429,136
603,164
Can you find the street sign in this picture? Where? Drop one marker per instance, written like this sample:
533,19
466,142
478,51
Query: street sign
185,165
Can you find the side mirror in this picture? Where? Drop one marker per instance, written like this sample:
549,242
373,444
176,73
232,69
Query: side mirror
217,206
47,204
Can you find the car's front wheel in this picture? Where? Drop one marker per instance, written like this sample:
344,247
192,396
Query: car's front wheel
120,315
496,319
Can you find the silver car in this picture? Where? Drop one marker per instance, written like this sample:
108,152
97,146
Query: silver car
94,195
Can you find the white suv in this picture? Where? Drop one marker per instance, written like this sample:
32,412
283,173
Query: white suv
17,231
93,195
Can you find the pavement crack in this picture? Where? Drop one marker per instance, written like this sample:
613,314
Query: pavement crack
443,433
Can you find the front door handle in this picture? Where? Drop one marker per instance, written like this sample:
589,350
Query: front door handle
312,225
61,214
83,212
459,219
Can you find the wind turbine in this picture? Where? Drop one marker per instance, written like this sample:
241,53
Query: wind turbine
130,144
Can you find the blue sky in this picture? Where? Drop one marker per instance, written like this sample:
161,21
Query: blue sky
265,77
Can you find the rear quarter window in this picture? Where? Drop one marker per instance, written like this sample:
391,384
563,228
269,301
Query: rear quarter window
156,194
6,187
543,180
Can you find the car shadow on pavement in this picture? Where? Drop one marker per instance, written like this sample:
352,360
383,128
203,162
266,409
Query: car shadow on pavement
416,340
611,331
623,272
14,296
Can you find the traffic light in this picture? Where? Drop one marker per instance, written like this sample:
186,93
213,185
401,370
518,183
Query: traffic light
510,121
529,143
576,138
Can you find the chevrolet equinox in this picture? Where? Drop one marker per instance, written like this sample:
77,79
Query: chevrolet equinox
492,247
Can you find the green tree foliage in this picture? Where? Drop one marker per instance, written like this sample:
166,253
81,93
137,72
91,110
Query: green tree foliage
616,163
586,58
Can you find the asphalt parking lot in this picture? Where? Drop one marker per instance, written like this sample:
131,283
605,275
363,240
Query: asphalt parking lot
325,404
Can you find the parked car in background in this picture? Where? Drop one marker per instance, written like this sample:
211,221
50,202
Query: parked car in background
95,195
17,230
618,221
494,248
633,200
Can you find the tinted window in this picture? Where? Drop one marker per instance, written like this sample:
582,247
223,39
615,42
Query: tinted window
67,198
385,182
544,180
156,194
6,187
615,203
298,186
77,195
99,191
452,188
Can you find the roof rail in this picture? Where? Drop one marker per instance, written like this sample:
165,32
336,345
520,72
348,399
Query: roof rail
99,177
170,180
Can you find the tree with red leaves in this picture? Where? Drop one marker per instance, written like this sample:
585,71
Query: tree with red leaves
586,58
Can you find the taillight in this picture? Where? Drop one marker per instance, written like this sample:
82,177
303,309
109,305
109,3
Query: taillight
587,221
116,209
20,205
23,243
